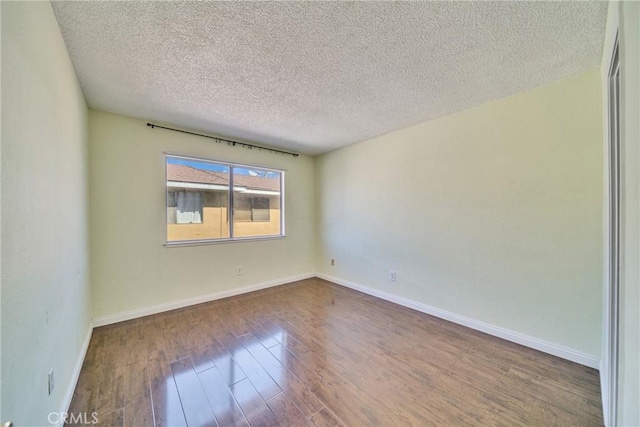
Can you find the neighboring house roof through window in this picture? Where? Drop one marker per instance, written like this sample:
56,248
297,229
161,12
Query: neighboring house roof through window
182,173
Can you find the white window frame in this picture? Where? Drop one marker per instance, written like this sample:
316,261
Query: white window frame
231,238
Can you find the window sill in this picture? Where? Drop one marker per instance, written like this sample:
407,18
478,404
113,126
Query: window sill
220,241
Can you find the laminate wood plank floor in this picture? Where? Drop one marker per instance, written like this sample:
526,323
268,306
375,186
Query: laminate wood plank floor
312,353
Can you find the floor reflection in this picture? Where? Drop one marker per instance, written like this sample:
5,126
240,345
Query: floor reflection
229,369
173,413
235,390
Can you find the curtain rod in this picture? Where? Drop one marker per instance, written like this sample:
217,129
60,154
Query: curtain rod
229,142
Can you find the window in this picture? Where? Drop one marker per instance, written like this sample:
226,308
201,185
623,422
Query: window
215,201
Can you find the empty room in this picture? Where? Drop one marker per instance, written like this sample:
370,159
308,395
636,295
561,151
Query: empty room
320,213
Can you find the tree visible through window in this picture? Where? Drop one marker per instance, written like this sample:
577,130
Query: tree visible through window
209,200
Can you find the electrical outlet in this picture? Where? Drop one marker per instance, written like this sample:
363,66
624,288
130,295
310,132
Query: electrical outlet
239,270
392,275
50,381
333,262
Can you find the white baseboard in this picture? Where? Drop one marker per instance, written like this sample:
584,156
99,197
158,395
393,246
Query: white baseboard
68,395
146,311
506,334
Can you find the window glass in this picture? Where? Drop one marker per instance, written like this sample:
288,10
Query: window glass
256,197
198,199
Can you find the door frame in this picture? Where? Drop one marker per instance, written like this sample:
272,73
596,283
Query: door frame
613,215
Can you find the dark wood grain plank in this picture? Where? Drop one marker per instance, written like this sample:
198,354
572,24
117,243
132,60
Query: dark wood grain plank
110,419
333,390
292,386
261,380
111,395
324,418
137,400
286,412
85,396
167,408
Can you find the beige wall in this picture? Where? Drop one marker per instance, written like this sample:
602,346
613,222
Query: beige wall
45,283
493,213
131,268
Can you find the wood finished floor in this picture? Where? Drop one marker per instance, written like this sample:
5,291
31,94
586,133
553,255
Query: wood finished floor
312,353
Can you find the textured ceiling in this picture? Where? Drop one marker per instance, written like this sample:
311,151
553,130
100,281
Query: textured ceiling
315,76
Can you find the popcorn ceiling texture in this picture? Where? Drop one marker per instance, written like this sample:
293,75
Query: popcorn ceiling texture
315,76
